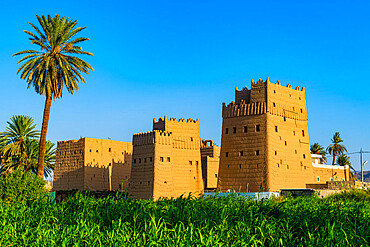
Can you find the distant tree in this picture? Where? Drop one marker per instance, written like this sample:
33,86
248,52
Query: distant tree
53,67
343,160
19,147
13,146
336,148
33,155
316,148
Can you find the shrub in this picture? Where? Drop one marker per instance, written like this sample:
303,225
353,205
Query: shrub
20,186
357,195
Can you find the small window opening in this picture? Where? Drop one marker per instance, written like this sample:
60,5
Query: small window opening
227,131
275,152
303,133
257,152
139,160
90,150
257,127
257,165
276,129
274,91
168,159
318,179
144,160
191,138
161,159
234,130
245,129
196,163
287,166
227,154
228,166
215,175
301,110
241,153
285,143
134,161
293,132
97,151
190,162
284,119
240,166
110,149
304,156
150,159
273,104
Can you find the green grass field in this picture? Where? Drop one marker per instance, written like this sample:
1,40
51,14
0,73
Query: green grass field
341,220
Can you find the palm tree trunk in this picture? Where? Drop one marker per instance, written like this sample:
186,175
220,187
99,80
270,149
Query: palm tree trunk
332,169
45,123
345,173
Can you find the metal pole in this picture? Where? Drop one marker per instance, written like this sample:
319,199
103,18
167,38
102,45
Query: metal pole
362,170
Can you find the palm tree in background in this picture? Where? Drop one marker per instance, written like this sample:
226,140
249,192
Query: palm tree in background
316,148
15,137
53,66
336,148
343,160
19,146
33,155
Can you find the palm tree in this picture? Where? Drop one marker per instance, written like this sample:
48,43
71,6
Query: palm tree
343,160
316,148
14,139
336,148
33,155
19,147
53,67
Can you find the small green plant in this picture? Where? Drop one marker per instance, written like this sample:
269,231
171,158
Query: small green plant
20,186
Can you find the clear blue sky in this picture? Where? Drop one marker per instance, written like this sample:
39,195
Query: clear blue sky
184,58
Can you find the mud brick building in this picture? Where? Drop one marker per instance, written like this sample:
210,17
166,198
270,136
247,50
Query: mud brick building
210,155
166,160
265,144
92,164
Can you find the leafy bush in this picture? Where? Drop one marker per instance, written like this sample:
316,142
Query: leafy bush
358,195
19,186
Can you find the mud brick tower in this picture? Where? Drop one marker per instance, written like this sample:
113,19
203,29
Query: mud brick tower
210,154
92,164
167,161
264,143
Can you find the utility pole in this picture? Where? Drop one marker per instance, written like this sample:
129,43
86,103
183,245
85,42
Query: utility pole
362,170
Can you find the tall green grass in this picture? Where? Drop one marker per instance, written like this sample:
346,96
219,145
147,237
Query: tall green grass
225,221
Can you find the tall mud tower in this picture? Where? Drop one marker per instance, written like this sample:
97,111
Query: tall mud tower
264,143
167,161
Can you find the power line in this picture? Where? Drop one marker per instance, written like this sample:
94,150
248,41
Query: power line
364,152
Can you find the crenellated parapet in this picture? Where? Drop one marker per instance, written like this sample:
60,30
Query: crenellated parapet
151,137
174,120
243,109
